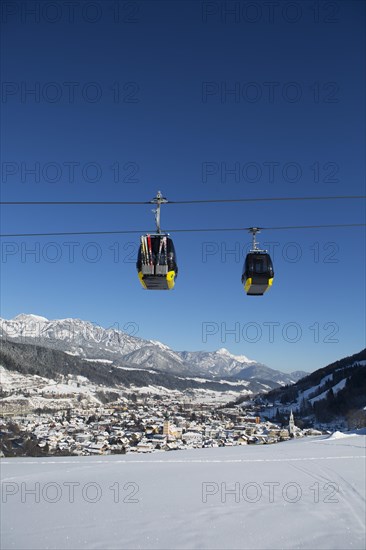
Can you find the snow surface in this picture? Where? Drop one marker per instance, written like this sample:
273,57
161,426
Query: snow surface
305,394
340,435
26,317
107,361
160,345
339,386
240,358
177,499
10,379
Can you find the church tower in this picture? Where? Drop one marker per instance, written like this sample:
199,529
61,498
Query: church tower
166,427
291,424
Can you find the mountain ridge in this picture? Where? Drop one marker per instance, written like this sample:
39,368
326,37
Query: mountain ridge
89,341
336,391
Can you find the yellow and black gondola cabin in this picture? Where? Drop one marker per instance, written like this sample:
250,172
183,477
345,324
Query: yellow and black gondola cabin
156,262
258,273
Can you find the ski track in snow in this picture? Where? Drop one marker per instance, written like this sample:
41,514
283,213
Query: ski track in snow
189,461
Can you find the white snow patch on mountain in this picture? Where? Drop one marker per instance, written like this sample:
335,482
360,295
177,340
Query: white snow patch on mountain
13,379
239,358
160,345
107,361
26,317
335,389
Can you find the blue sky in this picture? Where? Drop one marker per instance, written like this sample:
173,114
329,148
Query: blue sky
175,96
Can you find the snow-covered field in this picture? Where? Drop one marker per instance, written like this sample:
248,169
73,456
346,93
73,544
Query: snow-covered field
307,493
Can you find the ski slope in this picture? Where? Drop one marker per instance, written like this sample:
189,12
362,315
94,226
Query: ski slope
302,494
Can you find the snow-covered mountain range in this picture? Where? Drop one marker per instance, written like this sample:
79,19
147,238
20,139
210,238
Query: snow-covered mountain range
86,340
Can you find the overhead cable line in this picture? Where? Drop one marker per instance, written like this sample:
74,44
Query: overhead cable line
182,230
196,201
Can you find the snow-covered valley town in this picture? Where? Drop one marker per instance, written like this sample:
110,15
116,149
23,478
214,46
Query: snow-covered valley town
143,425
